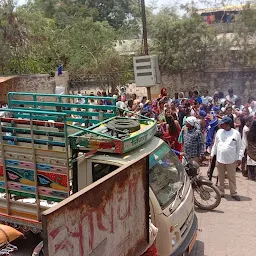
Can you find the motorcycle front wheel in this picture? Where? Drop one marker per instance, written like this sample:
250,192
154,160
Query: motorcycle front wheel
207,196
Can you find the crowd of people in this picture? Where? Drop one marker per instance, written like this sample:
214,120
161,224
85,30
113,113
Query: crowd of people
201,125
197,125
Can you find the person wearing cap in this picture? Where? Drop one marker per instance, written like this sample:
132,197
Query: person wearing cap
229,153
201,119
193,140
231,97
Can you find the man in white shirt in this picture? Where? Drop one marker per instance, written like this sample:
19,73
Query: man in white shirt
80,100
229,152
206,99
231,97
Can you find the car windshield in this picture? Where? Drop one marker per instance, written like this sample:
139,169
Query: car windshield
166,175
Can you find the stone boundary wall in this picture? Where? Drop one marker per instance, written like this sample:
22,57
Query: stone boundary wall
242,81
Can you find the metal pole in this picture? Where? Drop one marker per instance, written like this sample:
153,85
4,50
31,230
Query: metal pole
145,37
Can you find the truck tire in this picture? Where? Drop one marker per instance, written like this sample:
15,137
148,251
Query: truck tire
124,124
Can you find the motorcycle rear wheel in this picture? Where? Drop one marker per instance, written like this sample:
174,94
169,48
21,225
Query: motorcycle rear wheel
204,192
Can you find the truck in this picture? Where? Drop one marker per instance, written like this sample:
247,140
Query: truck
54,150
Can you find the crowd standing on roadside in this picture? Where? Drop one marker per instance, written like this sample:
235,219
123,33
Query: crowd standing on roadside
198,124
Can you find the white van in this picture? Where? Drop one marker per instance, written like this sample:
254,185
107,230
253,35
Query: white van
171,195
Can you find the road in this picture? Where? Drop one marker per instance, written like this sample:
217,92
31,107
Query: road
230,230
26,247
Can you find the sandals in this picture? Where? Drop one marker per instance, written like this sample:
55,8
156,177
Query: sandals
9,248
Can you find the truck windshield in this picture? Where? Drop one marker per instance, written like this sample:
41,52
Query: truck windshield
166,175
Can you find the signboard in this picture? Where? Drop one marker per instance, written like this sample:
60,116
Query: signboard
146,71
109,217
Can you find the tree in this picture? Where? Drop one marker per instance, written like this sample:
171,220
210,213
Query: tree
116,12
188,43
13,36
32,42
182,43
245,36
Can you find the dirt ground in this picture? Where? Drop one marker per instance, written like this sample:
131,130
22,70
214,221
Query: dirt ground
229,230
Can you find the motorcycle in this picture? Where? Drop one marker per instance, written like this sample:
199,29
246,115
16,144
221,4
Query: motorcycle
206,195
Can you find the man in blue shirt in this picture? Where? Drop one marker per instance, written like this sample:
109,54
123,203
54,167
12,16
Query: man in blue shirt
197,97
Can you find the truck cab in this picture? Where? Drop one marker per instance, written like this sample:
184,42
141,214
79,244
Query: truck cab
171,196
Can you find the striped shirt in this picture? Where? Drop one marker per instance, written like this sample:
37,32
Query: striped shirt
193,143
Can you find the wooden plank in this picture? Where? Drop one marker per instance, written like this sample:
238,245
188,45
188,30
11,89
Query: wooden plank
13,94
35,122
27,224
36,132
29,140
35,169
14,151
4,170
73,112
64,105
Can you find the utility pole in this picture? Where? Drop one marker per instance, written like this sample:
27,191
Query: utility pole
145,37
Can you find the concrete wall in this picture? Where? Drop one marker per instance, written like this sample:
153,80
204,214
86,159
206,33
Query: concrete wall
29,83
6,87
62,82
42,83
242,81
36,84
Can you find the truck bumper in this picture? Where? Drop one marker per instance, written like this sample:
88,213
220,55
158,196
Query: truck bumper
189,241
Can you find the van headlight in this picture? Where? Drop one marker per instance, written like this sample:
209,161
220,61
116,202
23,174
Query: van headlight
174,241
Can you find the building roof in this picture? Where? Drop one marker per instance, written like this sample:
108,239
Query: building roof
227,8
6,78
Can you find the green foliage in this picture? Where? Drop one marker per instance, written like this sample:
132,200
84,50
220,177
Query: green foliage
188,43
181,42
79,34
245,36
115,12
40,35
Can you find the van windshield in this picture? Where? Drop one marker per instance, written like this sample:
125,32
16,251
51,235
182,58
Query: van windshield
166,175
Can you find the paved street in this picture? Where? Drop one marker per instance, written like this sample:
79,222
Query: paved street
230,230
25,247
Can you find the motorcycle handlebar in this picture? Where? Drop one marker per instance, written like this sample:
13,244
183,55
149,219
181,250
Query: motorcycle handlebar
179,153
